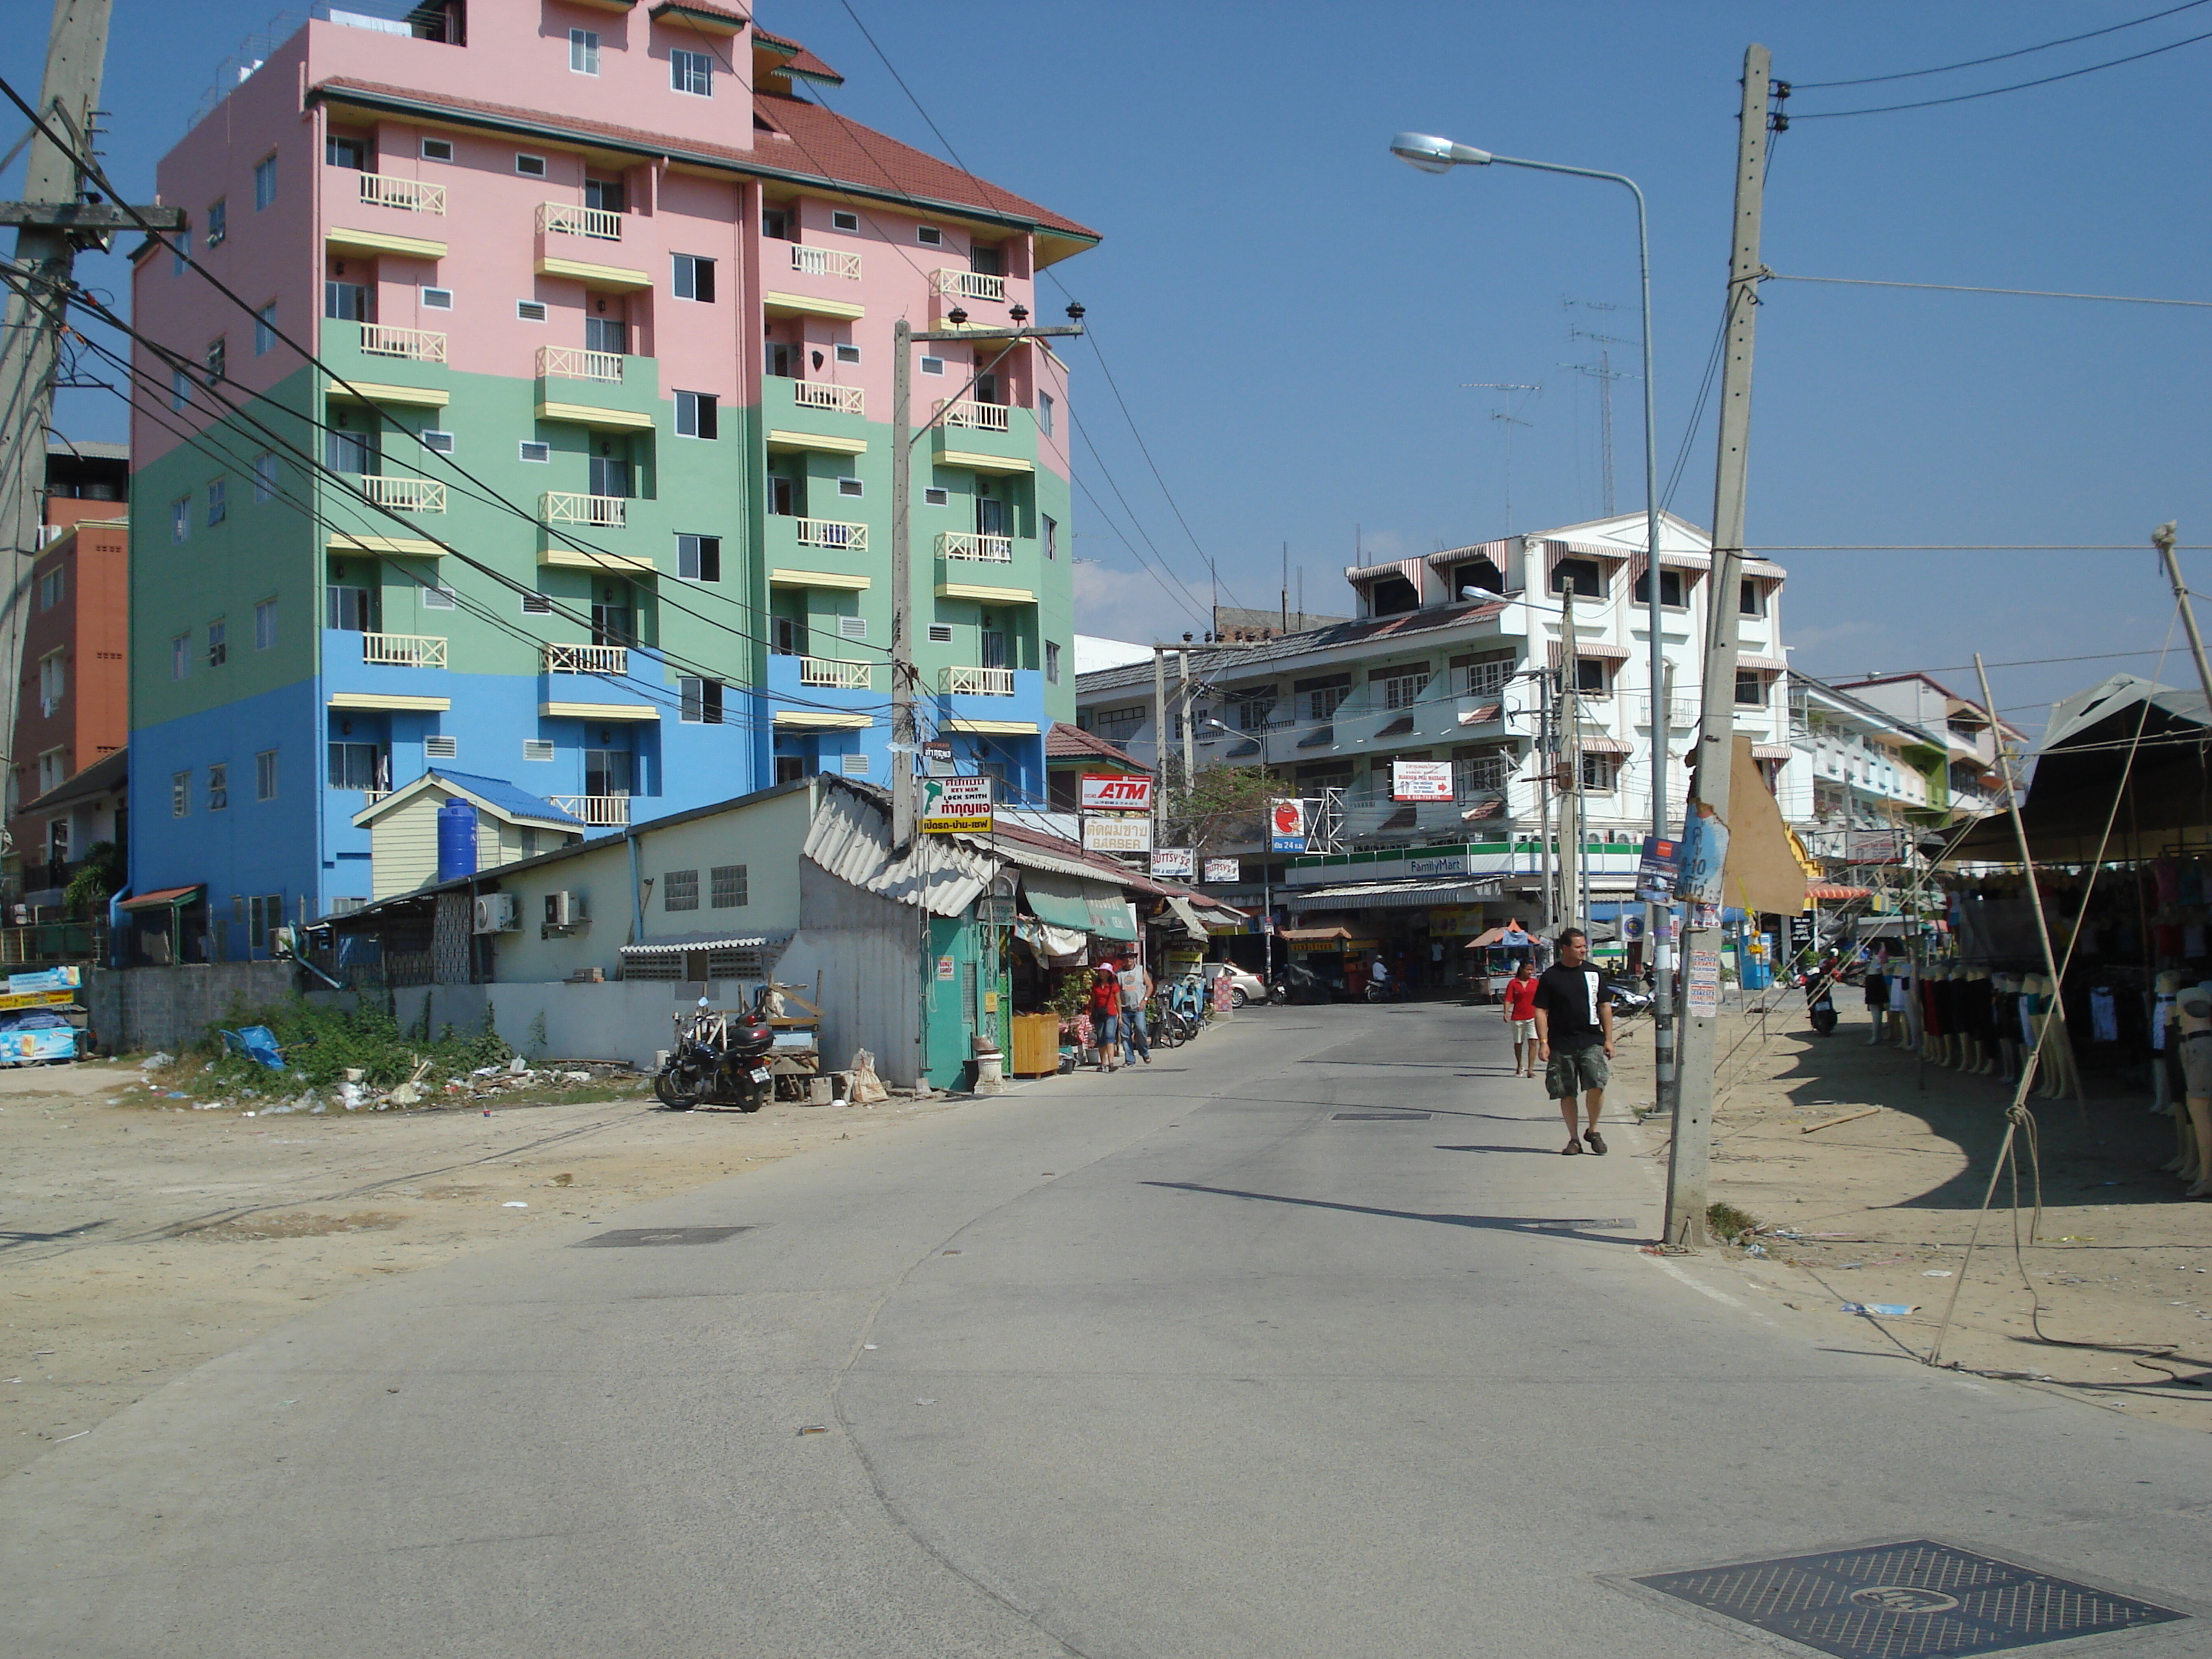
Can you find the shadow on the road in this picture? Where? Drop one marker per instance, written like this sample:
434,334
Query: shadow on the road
11,1239
1545,1152
1502,1224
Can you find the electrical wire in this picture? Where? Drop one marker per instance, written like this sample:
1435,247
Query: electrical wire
1999,57
1993,92
1955,288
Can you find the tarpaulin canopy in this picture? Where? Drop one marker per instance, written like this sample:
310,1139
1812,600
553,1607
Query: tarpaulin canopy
1184,913
1081,906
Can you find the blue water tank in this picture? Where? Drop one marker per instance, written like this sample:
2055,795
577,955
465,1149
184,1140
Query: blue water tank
457,839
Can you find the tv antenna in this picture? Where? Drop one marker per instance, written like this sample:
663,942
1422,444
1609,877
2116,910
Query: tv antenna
1605,374
1510,421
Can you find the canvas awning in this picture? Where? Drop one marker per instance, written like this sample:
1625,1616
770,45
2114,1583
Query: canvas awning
1185,913
1078,905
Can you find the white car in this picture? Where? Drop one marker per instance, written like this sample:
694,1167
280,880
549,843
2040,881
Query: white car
1244,986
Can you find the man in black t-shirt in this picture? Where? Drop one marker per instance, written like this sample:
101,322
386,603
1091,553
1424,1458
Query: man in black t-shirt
1574,1037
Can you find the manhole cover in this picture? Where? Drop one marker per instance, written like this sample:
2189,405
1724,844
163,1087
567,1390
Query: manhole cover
1381,1117
619,1238
1905,1601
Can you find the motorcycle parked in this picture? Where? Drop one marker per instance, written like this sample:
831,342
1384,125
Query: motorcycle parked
719,1059
1626,1000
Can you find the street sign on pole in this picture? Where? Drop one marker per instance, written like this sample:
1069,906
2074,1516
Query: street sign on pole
1287,821
956,805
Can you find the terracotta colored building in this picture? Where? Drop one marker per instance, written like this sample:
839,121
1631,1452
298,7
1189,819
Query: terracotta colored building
75,696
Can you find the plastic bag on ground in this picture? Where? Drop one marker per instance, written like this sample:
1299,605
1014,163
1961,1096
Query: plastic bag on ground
867,1087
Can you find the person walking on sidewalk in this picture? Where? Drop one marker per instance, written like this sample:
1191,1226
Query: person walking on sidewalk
1520,1005
1574,1037
1106,1012
1136,992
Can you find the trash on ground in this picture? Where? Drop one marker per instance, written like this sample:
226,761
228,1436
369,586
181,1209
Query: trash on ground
514,1204
1883,1310
814,1428
1937,1273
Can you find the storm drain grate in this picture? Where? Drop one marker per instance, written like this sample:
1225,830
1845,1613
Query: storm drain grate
620,1238
1907,1600
1383,1117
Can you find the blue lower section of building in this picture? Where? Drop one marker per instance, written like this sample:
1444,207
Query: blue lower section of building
255,799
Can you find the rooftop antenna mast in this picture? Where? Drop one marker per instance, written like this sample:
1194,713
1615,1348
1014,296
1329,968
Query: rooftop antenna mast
1510,421
1605,374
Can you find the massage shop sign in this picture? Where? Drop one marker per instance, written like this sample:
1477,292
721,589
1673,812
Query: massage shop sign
951,806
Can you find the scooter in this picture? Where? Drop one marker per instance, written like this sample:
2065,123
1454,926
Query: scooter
1626,1000
719,1060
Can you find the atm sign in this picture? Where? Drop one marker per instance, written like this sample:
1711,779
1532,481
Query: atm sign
1116,792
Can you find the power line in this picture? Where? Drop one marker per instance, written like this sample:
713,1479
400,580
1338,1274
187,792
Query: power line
1999,57
1954,287
2018,86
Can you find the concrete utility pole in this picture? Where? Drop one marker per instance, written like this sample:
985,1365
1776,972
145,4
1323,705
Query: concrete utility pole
1571,747
905,741
52,221
2161,539
1691,1148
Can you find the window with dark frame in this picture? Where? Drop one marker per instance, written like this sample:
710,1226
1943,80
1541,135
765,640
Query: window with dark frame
693,278
1670,589
1585,577
699,558
697,415
702,701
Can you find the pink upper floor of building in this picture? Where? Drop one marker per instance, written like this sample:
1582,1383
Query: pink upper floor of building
518,180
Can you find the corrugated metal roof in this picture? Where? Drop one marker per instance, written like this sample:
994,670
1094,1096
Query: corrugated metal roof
850,837
704,941
1207,660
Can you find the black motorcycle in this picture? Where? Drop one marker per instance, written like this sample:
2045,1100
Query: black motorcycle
719,1059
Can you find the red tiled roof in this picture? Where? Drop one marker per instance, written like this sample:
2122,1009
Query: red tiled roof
709,7
1066,742
833,148
805,139
802,62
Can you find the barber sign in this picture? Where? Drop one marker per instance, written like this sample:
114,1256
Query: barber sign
1116,792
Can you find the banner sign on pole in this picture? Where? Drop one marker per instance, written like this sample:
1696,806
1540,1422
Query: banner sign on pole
46,979
1116,792
1287,819
1175,861
1116,832
1704,984
1224,870
1421,781
1703,857
956,805
1655,871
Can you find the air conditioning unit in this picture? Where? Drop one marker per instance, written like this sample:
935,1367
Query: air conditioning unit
496,914
565,909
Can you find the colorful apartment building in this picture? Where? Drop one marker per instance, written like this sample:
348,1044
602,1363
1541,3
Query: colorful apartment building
72,708
588,489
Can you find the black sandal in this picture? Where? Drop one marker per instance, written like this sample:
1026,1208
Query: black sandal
1596,1142
1570,1149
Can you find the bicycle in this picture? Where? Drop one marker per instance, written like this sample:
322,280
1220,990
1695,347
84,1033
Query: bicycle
1169,1028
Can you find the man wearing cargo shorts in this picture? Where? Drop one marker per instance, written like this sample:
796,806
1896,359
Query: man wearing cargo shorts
1574,1037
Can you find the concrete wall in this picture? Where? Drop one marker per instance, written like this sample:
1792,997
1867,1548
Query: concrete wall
139,1008
627,1020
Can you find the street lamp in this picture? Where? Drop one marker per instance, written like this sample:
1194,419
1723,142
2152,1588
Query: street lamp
1434,154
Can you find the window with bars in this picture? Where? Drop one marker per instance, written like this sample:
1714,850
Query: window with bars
679,890
1601,774
727,886
1474,775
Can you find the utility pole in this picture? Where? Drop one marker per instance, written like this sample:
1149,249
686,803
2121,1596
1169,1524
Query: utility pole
1189,720
1571,797
1691,1148
52,223
2162,539
906,740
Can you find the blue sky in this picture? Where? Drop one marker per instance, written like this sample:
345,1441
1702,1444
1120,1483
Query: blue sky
1290,313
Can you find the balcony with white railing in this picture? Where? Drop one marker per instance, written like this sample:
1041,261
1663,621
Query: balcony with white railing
966,545
408,195
599,512
1681,712
977,683
575,363
825,262
403,650
587,659
979,417
600,811
424,345
405,495
595,222
837,675
820,394
831,532
968,285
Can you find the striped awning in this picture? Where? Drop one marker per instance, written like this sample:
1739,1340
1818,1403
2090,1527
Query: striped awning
1835,891
1780,751
1602,745
749,942
1763,665
1593,648
1481,716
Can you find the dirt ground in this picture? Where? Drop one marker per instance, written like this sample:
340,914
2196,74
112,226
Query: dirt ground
143,1237
1882,1208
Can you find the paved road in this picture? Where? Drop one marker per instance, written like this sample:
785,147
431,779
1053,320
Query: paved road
1171,1364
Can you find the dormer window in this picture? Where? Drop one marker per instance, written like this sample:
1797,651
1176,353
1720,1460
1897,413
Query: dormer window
1392,596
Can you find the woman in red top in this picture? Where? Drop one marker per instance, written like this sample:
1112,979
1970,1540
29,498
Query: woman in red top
1106,1014
1521,1015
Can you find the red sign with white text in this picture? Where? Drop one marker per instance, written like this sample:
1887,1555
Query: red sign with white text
1116,792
